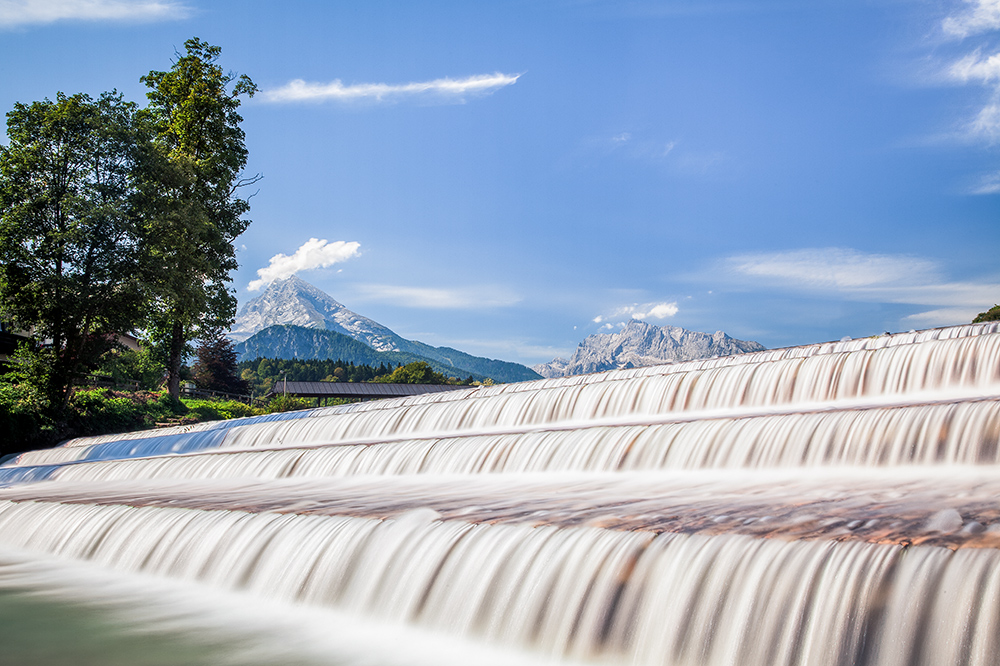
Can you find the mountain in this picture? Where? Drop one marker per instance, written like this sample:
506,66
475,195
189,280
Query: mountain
296,303
640,344
291,342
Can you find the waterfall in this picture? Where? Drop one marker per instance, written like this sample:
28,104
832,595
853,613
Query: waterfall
828,504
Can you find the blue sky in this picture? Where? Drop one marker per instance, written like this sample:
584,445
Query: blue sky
510,177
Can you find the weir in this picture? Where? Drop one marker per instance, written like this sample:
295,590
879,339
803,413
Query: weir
829,504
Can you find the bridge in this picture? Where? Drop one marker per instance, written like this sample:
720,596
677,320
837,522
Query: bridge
363,391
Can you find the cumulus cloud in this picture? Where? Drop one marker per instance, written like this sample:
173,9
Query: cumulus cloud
641,311
860,276
314,253
28,12
979,16
437,298
454,90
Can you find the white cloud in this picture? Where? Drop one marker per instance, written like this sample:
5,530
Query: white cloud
943,316
987,123
447,89
981,16
435,298
847,273
642,311
28,12
974,67
314,253
989,184
831,268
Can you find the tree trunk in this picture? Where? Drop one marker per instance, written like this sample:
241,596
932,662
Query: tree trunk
174,362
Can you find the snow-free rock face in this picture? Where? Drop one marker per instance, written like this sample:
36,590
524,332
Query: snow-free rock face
554,368
640,344
295,302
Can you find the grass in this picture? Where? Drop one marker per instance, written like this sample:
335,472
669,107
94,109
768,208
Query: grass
100,411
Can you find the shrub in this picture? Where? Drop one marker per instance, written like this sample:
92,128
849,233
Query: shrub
101,411
286,403
993,314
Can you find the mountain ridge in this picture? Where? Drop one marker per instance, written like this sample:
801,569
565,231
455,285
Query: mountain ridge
294,302
641,344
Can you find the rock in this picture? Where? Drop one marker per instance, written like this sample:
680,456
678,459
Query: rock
947,520
640,344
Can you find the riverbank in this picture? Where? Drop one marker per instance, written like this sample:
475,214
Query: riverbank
101,411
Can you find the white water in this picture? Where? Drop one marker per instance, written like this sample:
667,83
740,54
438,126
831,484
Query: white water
831,504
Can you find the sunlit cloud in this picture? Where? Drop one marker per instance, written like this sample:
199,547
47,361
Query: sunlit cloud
859,276
314,253
453,90
979,16
640,311
975,67
437,298
15,13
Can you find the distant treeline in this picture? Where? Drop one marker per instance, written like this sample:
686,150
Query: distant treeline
263,373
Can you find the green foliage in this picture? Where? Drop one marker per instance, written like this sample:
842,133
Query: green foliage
286,403
417,372
264,373
71,237
25,419
100,411
218,410
193,110
993,314
122,365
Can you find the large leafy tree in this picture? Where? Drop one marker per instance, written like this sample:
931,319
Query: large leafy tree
71,236
194,110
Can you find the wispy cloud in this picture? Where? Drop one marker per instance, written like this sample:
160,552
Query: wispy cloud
832,268
859,276
14,13
641,311
452,90
975,67
627,144
314,253
440,298
978,16
988,184
524,349
978,67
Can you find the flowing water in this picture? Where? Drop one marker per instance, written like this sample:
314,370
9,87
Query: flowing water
831,504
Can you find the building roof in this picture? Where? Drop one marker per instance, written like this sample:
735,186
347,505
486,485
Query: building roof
355,390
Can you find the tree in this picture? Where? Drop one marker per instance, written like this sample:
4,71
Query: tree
993,314
417,372
216,368
193,108
71,238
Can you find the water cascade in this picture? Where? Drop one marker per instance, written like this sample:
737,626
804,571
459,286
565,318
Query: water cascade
829,504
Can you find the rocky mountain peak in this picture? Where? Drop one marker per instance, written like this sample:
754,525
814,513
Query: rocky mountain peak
639,344
293,301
